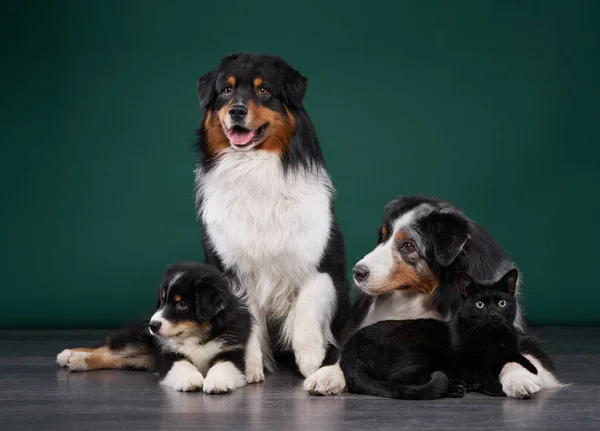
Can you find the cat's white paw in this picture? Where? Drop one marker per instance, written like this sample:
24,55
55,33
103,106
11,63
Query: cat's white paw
328,380
184,377
517,382
223,377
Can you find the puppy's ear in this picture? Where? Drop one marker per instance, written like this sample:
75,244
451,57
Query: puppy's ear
449,234
294,87
509,281
206,88
209,301
464,283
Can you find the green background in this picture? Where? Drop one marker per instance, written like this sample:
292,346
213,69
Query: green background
493,105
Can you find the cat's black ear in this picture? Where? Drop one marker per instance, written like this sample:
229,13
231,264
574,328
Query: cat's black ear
206,88
209,300
464,283
510,280
449,234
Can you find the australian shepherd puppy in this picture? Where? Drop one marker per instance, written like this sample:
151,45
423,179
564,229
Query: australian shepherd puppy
411,274
265,201
195,340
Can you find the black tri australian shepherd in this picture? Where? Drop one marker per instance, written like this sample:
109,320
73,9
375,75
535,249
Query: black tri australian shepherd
265,201
195,341
411,274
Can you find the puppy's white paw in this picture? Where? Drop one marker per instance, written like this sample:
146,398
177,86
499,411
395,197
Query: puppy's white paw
309,360
184,377
63,357
517,382
327,380
223,377
255,373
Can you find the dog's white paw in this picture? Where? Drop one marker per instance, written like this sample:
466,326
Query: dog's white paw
73,360
223,377
327,380
517,382
63,357
309,360
255,373
184,377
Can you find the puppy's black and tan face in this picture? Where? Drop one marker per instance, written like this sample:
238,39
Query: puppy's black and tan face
249,100
415,239
188,299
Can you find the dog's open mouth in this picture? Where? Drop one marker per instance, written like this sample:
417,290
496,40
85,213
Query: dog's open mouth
241,137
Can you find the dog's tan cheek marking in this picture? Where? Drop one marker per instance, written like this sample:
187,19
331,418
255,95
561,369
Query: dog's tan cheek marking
215,136
280,129
231,80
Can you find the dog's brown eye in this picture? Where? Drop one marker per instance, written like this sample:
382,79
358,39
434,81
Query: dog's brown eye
228,90
181,306
263,91
408,246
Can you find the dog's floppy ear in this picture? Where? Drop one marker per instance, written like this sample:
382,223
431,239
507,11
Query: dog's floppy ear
464,283
208,299
449,235
206,88
294,87
509,281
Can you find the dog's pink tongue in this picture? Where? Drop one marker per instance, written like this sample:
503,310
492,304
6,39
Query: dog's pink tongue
240,137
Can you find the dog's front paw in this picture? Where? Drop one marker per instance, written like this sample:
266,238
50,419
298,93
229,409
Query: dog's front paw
255,372
309,361
73,360
223,377
184,377
517,382
327,380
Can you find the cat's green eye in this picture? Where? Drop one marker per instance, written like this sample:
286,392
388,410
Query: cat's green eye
479,304
502,303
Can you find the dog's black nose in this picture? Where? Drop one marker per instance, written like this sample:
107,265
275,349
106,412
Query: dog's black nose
238,112
155,326
361,272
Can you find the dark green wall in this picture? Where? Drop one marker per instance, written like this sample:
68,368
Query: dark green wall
491,105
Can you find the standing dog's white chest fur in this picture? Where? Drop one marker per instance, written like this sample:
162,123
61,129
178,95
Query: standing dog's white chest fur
271,228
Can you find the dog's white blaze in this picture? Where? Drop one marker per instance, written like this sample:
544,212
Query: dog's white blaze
158,317
183,376
270,228
175,278
223,377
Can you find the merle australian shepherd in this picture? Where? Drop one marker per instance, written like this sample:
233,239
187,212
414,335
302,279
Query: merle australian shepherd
411,274
195,341
264,199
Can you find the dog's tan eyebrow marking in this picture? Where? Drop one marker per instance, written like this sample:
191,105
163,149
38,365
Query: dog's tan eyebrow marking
231,80
258,82
164,293
177,298
401,235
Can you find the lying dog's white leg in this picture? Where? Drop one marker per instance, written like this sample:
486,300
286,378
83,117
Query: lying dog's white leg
517,382
223,377
328,380
309,323
183,376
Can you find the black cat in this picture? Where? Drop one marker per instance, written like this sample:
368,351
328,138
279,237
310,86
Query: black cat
486,337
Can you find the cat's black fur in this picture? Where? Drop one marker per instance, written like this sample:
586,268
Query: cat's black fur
486,337
404,359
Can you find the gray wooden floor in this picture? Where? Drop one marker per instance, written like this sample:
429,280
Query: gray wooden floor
35,394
